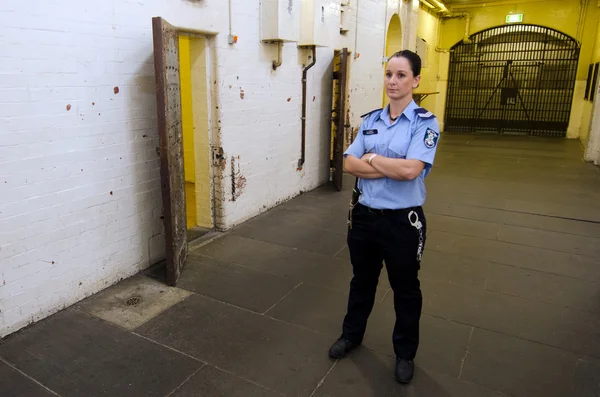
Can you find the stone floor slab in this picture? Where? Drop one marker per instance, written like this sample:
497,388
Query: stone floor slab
324,218
544,287
587,377
336,273
318,308
362,373
557,326
525,309
260,255
244,287
76,354
212,382
454,269
467,227
527,368
281,357
431,384
476,213
552,224
313,307
293,234
366,373
562,263
15,384
551,209
113,306
582,245
442,345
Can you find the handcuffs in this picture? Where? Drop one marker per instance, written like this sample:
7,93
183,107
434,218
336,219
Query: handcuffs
419,226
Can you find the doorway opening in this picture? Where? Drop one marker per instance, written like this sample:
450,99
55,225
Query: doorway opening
393,44
185,108
516,79
193,78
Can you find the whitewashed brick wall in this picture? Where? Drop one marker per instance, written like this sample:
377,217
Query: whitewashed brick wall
80,201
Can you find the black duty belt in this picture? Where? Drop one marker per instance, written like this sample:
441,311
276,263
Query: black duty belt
387,211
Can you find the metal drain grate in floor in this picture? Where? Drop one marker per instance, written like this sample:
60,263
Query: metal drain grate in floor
134,300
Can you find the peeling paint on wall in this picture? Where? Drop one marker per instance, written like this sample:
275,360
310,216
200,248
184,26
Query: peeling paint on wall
238,181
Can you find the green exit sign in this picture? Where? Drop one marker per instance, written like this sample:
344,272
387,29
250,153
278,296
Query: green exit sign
514,18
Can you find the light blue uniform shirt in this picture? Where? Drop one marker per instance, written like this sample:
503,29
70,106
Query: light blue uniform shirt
414,135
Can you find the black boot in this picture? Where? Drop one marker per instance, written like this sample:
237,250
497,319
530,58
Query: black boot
341,347
405,370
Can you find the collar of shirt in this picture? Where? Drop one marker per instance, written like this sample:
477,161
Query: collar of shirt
409,113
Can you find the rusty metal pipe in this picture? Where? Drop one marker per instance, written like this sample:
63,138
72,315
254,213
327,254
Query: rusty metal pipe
304,73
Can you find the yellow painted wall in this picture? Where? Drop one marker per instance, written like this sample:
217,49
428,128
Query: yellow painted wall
561,15
393,44
428,29
187,119
394,36
194,115
442,88
200,94
586,118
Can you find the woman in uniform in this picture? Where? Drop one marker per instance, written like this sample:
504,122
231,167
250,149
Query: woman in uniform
391,156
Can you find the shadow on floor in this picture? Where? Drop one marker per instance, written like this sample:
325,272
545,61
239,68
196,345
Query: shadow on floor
510,279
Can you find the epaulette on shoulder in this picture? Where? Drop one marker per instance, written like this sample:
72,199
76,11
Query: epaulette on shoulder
424,113
372,111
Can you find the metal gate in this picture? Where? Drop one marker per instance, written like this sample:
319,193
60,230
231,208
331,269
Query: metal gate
512,79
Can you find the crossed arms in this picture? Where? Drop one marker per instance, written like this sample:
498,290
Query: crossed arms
380,167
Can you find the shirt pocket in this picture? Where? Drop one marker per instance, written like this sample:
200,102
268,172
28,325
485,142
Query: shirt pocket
370,143
398,148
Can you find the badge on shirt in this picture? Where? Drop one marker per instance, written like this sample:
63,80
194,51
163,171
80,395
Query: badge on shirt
431,138
370,132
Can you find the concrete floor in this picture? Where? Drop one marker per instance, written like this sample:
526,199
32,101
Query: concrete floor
510,276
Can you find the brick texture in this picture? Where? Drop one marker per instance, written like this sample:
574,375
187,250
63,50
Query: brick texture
80,200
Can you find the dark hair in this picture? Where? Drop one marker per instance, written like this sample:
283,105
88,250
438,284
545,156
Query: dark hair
412,58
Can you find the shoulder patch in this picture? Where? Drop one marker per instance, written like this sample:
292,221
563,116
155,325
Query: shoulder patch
372,111
424,113
431,138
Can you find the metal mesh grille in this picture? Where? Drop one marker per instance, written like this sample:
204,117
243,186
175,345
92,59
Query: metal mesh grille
512,79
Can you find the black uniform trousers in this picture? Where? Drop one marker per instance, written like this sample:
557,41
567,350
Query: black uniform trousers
376,236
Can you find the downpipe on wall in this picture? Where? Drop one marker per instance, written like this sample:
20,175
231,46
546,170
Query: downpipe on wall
230,38
386,27
304,74
277,63
583,6
356,53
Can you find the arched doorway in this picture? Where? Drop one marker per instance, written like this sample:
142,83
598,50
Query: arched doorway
393,44
512,79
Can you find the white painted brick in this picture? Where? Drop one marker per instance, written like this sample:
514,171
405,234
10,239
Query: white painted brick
58,166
